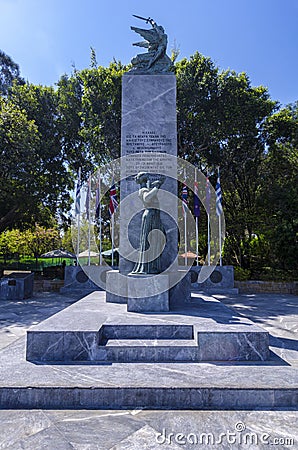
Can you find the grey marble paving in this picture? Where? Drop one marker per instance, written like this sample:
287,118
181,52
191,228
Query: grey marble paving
138,430
17,316
276,313
36,429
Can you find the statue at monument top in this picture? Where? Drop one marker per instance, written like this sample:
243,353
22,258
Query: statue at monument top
155,61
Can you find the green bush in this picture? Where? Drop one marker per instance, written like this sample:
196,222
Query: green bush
241,274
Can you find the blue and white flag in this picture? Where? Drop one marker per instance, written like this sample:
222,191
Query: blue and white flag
184,200
219,210
88,195
78,194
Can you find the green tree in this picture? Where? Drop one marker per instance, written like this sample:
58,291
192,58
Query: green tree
18,145
9,72
40,240
221,122
10,244
45,191
278,196
101,111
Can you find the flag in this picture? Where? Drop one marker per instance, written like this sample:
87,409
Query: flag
208,195
184,199
97,199
87,202
113,200
218,197
78,193
196,201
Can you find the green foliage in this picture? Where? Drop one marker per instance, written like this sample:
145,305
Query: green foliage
9,72
47,134
241,274
40,240
30,242
278,196
33,165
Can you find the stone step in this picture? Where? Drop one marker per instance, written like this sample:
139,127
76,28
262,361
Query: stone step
147,350
115,386
80,334
152,331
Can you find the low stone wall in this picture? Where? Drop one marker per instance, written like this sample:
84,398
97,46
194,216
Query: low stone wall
251,287
48,285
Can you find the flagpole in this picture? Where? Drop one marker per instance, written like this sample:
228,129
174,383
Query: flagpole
113,223
208,216
185,239
185,228
219,230
89,223
112,239
112,208
78,242
197,224
78,215
208,225
219,211
99,218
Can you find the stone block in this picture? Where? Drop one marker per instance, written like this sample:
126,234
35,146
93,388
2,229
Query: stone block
180,293
213,279
116,287
17,286
84,278
233,345
148,293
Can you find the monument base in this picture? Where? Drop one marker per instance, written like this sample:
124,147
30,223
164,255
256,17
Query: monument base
95,331
141,296
139,293
85,340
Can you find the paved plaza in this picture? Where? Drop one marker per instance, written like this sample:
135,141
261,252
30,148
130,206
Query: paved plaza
141,429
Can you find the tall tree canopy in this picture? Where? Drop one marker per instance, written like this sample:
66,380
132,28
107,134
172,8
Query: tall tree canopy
46,134
9,72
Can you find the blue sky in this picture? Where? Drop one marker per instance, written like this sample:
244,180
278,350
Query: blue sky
47,37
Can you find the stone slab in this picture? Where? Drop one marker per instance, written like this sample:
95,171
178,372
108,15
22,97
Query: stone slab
144,430
116,287
142,385
221,386
75,333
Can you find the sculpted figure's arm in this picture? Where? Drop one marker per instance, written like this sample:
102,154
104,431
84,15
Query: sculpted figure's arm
154,190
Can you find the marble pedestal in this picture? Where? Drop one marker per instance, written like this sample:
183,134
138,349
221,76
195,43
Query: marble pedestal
95,331
162,289
141,297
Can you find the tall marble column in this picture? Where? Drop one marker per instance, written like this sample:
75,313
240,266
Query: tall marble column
148,138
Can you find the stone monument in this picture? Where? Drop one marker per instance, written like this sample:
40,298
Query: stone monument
136,320
148,144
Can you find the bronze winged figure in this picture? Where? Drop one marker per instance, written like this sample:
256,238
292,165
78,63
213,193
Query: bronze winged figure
156,40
